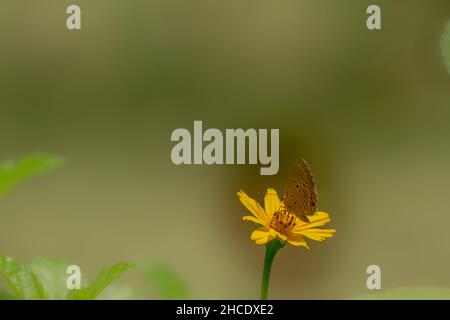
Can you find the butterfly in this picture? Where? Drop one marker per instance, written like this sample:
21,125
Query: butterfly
300,197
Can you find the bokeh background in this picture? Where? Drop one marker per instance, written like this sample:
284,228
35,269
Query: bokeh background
369,110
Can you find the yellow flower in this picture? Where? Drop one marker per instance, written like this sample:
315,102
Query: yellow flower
277,223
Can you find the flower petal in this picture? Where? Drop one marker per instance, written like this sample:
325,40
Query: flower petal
253,206
253,219
271,201
317,234
317,220
262,235
298,241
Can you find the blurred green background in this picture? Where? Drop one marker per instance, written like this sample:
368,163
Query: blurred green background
369,110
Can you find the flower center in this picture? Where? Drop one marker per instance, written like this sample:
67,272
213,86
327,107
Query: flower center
283,220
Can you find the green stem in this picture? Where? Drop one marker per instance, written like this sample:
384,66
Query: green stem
271,249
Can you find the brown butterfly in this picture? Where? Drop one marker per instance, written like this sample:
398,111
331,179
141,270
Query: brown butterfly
300,197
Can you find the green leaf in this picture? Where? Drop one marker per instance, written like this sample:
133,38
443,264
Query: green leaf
165,282
22,282
52,275
80,294
104,279
12,173
6,296
122,292
445,45
408,293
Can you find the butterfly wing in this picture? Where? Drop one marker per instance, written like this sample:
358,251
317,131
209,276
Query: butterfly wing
301,196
